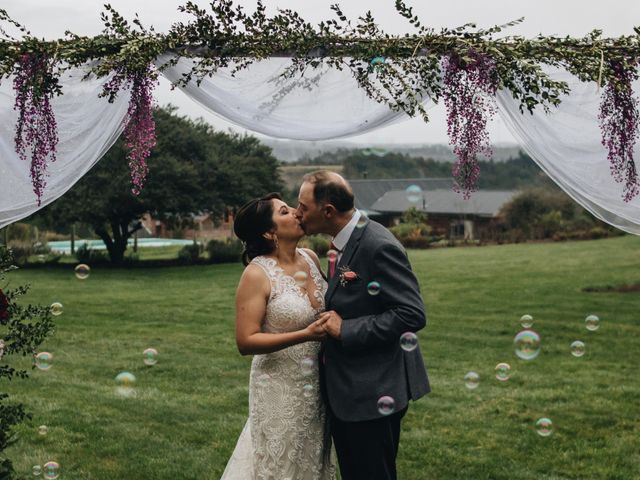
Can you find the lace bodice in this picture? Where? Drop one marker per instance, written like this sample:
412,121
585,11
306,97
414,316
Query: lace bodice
290,307
285,437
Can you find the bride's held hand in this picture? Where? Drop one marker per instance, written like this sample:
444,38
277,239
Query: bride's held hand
316,329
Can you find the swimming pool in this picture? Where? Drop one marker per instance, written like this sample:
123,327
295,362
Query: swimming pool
64,246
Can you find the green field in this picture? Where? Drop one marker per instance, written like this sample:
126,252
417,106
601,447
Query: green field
189,408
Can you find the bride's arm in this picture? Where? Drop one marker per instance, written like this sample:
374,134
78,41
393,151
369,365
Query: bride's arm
251,305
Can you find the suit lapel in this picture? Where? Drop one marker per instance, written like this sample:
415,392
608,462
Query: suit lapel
347,255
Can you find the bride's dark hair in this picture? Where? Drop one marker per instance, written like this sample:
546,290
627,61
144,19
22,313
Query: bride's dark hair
253,220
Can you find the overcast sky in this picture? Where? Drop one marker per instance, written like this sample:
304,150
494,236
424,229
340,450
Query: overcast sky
50,19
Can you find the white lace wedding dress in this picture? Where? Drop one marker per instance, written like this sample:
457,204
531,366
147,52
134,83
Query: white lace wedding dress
285,437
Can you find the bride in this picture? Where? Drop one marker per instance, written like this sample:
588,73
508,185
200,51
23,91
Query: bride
278,298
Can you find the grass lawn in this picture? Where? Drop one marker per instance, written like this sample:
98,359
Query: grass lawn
190,407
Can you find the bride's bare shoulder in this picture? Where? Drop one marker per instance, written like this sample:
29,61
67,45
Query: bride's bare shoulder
254,277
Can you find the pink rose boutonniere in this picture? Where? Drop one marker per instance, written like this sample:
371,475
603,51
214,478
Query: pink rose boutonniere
347,276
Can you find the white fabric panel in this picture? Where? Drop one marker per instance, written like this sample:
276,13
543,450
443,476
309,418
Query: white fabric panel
87,127
332,105
565,143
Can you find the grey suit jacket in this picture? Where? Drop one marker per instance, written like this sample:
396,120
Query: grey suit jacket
367,362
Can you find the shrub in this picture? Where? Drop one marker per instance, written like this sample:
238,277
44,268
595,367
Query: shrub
24,328
318,243
416,242
412,231
220,251
84,254
189,253
21,251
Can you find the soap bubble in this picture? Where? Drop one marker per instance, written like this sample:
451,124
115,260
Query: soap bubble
51,470
386,405
544,427
300,278
408,341
577,348
150,356
526,321
373,288
306,366
82,271
592,322
307,390
503,371
332,255
414,193
36,470
43,430
125,382
56,309
43,360
471,380
527,344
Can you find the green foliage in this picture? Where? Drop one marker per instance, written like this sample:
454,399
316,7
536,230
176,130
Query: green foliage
192,169
190,253
227,35
85,254
414,216
413,230
228,251
318,243
512,174
542,213
22,330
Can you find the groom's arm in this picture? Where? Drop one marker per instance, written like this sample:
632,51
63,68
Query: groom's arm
402,306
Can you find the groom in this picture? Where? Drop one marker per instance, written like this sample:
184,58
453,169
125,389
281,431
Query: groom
362,360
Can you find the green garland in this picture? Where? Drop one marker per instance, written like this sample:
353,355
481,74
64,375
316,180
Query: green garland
226,35
400,71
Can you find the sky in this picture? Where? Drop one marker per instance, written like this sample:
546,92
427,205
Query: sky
51,18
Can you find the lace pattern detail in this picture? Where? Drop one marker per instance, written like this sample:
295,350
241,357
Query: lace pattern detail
287,422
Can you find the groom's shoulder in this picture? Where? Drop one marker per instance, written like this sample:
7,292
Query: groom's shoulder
377,234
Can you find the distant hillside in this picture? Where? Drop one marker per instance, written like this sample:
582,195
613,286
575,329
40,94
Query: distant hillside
297,150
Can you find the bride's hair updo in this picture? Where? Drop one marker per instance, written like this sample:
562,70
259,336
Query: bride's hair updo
252,221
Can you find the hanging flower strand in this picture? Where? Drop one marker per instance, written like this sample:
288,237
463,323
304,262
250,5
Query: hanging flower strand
36,131
619,122
470,85
140,129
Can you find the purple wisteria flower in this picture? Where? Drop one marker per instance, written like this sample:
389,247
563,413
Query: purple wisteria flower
619,121
140,129
469,96
36,130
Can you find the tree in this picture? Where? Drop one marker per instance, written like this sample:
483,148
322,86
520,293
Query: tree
193,169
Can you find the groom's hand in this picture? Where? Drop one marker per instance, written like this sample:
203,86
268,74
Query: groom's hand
332,323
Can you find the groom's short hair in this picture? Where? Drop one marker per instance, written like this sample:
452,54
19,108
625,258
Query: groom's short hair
329,187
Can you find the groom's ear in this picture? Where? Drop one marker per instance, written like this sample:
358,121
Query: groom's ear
329,210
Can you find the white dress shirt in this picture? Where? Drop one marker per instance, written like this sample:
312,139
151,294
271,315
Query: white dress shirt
342,238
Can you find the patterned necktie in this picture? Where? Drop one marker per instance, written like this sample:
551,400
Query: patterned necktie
333,260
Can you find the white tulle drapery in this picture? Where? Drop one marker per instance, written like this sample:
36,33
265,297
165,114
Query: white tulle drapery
565,143
87,127
324,104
